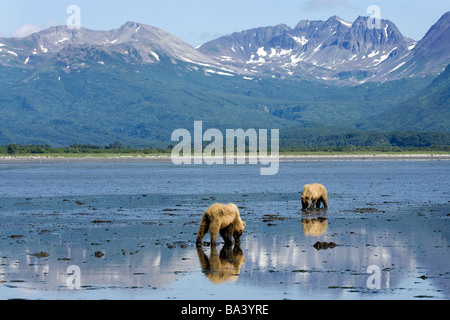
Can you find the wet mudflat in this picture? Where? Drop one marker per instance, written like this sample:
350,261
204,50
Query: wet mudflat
127,231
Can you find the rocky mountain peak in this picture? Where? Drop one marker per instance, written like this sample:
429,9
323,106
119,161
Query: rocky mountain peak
432,52
322,49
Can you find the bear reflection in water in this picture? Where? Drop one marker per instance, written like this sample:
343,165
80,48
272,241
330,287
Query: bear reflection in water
314,227
223,267
314,222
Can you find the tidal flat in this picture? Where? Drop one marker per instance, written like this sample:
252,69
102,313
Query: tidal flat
126,230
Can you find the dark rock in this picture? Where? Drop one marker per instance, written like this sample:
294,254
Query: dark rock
324,245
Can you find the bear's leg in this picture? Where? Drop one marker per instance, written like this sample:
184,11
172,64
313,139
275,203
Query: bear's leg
325,201
314,204
226,234
214,232
204,225
318,204
237,240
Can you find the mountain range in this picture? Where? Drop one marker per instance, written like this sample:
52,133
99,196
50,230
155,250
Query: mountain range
133,42
326,50
138,83
335,50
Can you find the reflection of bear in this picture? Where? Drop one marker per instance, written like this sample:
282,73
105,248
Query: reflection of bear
315,193
314,227
224,218
225,267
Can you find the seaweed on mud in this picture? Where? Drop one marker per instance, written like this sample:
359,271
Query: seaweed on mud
41,254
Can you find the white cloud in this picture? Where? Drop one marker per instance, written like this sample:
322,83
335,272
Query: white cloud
27,29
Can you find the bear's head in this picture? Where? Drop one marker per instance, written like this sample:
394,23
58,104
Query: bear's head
238,229
305,202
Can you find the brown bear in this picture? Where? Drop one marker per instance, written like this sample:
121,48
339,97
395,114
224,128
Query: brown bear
223,218
314,193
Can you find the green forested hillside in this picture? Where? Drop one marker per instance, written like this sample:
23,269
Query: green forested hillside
427,111
293,138
140,105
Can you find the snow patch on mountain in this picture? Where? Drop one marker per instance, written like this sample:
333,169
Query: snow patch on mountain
261,52
345,23
155,55
397,67
300,40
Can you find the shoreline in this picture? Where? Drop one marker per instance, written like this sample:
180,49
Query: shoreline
282,158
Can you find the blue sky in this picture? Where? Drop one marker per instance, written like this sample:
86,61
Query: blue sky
197,21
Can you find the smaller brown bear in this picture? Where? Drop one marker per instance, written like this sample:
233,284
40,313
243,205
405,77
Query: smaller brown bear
314,193
223,218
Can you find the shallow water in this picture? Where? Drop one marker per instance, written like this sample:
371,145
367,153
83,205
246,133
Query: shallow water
129,228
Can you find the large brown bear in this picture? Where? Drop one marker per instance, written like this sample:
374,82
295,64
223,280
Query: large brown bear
314,193
223,218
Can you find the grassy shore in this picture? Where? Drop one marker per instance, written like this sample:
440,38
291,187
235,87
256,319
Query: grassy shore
118,151
283,155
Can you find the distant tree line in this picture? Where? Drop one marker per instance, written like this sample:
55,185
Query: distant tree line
297,139
290,141
14,149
